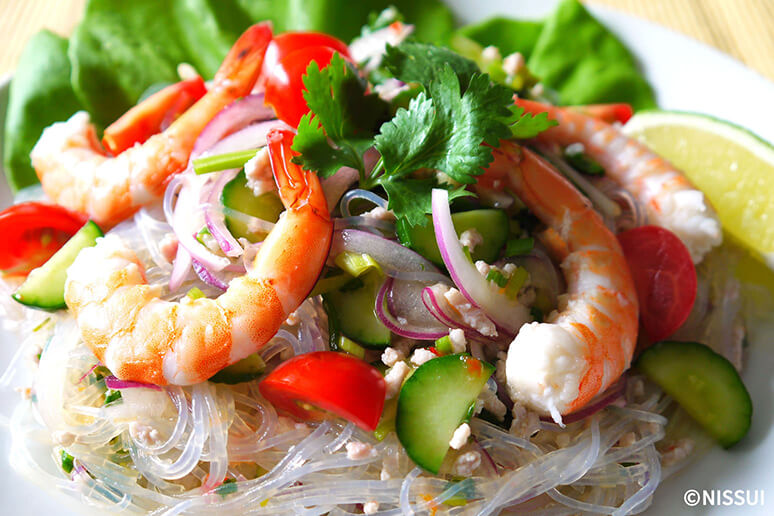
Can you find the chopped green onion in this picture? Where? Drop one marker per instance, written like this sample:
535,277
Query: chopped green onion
66,461
443,345
329,284
202,234
351,347
515,282
497,278
583,163
223,161
465,492
357,264
195,293
41,325
227,487
519,246
111,396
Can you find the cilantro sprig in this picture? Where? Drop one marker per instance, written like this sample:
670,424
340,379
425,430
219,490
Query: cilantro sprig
450,126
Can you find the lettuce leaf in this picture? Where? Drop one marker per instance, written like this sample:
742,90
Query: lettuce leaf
40,95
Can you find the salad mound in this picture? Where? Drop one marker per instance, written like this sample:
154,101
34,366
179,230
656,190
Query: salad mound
378,283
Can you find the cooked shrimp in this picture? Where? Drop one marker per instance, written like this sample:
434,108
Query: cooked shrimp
143,338
77,173
585,345
670,199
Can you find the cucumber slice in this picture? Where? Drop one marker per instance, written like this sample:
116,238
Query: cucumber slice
491,224
355,315
44,287
434,401
249,368
238,198
704,383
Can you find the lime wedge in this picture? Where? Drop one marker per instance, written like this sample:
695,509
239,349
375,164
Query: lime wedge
732,166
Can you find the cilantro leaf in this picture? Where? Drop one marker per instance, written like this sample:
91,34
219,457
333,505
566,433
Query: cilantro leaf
445,132
337,96
316,152
411,199
344,119
528,125
422,63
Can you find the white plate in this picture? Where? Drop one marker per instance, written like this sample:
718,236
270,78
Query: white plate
687,76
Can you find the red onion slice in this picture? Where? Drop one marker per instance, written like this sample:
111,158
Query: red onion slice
233,117
114,383
430,298
504,311
611,395
391,256
401,326
207,276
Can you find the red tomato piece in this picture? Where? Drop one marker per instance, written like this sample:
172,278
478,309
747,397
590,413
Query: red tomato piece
285,86
664,277
31,232
287,42
309,385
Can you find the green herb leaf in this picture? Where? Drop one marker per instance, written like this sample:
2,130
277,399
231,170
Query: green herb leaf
316,151
410,199
445,132
528,125
422,63
337,96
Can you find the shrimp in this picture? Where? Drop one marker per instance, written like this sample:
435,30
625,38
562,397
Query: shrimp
556,367
671,201
77,173
141,337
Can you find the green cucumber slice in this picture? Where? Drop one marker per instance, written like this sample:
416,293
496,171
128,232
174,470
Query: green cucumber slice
704,383
249,368
44,287
434,401
355,315
491,224
238,198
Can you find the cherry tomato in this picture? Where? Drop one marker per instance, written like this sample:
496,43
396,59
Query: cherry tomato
309,385
287,42
664,277
152,115
607,112
31,232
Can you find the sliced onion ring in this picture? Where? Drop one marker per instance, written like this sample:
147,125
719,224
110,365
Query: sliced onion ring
114,383
404,327
507,313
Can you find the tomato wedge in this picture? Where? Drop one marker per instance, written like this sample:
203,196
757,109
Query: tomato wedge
309,385
287,42
664,277
31,232
284,84
152,115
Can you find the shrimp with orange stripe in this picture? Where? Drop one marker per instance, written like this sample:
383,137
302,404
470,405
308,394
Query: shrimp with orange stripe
77,173
584,346
141,337
670,199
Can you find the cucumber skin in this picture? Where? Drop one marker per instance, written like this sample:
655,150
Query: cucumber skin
40,289
355,316
245,370
433,402
237,196
696,377
492,224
